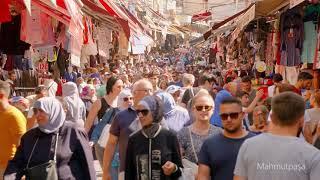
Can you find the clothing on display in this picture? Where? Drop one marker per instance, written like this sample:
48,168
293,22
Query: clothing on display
291,28
10,42
310,19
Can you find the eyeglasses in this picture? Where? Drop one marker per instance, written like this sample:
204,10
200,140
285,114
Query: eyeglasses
145,90
205,108
233,115
127,98
144,112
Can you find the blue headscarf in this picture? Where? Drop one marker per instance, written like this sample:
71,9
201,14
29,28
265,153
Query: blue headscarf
175,117
215,119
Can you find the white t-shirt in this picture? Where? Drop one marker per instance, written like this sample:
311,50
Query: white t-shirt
268,156
271,90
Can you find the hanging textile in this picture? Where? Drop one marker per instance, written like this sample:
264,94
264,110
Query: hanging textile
37,29
123,44
311,15
291,28
10,42
4,11
103,39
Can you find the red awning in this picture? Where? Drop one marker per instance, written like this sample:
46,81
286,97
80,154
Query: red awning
94,7
201,16
132,17
108,8
4,11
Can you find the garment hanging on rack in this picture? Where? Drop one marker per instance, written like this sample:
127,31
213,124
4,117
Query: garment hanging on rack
291,28
10,42
310,19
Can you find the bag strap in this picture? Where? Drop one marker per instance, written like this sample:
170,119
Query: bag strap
34,146
192,145
55,148
192,93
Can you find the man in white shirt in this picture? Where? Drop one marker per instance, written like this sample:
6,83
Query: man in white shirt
52,87
277,79
280,154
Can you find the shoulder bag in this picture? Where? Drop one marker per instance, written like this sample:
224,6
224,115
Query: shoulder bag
45,171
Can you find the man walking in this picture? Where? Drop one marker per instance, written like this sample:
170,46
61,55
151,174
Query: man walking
12,127
218,154
280,154
124,123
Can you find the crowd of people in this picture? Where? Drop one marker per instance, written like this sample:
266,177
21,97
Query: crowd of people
161,120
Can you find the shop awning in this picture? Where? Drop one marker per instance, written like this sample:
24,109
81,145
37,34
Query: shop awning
119,12
222,23
266,7
201,17
99,13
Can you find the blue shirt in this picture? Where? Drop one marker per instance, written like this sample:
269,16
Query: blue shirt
220,154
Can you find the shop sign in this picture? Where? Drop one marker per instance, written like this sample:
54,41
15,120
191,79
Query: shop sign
294,3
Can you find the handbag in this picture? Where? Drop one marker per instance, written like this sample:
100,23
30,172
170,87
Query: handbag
190,169
45,171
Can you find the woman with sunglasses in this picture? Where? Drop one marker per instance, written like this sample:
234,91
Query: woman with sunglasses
153,152
53,139
125,99
192,137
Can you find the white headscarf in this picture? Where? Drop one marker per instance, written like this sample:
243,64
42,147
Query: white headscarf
124,93
74,103
54,109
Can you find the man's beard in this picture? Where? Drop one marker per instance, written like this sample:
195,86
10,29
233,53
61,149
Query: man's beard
233,131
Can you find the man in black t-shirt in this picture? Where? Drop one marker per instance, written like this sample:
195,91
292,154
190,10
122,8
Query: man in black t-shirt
218,153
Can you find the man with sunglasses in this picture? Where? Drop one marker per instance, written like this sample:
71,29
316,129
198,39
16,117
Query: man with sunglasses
123,125
280,154
218,154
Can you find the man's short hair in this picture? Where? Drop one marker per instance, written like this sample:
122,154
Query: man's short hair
231,100
40,88
246,79
205,78
188,79
287,108
240,94
305,76
277,78
11,73
5,87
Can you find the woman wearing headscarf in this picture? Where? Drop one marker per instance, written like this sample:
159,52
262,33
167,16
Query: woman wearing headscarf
215,118
125,99
75,108
176,117
153,152
53,136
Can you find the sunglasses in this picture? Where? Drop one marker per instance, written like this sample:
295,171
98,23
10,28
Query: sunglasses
233,115
144,112
127,99
205,108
